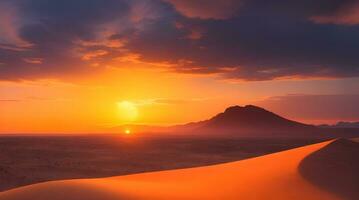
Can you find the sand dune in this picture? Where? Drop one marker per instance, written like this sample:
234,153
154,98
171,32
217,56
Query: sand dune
283,175
334,168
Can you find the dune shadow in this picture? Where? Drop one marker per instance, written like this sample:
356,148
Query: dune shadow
334,168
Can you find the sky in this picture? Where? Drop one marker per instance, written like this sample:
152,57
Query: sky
90,65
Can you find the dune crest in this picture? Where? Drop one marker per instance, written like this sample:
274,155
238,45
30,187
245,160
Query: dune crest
334,168
274,176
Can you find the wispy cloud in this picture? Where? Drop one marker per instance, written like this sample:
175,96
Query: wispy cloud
348,14
33,60
10,23
207,9
9,100
165,101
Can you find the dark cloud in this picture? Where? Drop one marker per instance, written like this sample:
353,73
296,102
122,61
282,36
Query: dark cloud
239,39
265,40
52,29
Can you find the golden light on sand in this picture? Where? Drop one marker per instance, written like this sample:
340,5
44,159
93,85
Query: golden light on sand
127,110
273,176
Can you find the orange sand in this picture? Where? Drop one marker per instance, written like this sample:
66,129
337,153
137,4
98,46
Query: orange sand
270,177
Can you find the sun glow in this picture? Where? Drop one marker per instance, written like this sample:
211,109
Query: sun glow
128,111
127,131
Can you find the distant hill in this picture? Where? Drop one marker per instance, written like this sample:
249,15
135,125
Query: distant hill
341,125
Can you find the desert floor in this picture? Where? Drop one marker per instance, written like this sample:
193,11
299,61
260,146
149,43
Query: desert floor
327,170
27,160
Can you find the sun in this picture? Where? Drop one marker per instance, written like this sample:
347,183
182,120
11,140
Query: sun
127,131
128,111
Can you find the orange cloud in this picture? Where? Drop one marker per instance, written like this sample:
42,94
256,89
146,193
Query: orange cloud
130,57
10,24
33,60
348,15
206,9
136,58
94,54
115,43
195,35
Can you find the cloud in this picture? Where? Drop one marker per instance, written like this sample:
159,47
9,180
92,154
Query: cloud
264,41
177,101
10,24
194,32
207,9
53,30
315,107
9,100
345,15
34,60
94,54
164,101
246,40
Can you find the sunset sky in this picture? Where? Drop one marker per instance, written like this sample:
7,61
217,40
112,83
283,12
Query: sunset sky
88,65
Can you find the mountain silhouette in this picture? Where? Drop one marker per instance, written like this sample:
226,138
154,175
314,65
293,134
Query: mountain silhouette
250,119
244,121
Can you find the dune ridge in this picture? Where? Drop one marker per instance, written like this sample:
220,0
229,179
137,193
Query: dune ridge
334,168
274,176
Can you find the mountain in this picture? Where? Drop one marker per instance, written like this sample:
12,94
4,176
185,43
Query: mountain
249,120
245,121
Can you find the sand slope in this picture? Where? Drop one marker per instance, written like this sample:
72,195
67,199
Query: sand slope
334,168
275,176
